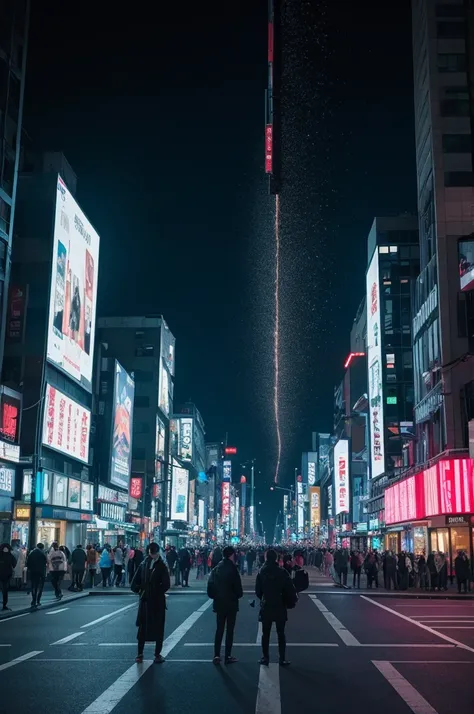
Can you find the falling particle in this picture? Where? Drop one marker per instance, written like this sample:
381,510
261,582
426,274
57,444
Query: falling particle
277,336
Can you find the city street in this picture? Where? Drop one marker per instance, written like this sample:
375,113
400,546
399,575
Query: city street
346,650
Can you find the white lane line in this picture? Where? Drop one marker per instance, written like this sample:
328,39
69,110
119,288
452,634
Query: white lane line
24,657
419,624
55,612
111,614
109,699
431,661
14,617
268,694
346,636
5,645
453,627
442,616
272,644
259,634
404,689
446,622
436,646
68,638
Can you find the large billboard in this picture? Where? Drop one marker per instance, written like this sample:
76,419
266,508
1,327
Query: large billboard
73,298
164,389
341,475
375,376
66,425
179,494
122,425
168,344
466,264
315,506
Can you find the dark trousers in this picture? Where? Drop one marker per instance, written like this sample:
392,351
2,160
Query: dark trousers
343,576
184,575
357,572
158,643
372,577
56,577
266,631
105,576
92,572
118,574
225,621
77,578
391,577
5,584
37,585
463,582
249,568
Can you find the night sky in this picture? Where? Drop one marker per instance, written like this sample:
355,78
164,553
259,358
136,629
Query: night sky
163,121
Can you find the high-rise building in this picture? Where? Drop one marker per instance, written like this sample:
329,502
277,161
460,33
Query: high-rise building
443,324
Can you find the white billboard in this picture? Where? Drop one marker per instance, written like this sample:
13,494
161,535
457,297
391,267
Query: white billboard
164,389
299,506
186,438
374,362
66,425
73,297
341,476
179,494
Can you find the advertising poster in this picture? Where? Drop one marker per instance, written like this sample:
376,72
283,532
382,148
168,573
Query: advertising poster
16,314
73,299
164,390
179,494
466,264
227,470
300,506
136,487
121,452
311,473
201,513
225,501
186,439
66,425
315,506
375,376
341,476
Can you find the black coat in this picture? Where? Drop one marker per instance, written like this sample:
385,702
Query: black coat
275,590
225,587
151,585
461,568
37,562
7,564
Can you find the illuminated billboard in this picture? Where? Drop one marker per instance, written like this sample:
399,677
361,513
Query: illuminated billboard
73,297
164,389
341,475
66,425
466,264
186,438
179,494
122,425
315,506
375,376
225,502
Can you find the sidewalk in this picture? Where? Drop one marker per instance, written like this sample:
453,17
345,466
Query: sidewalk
20,601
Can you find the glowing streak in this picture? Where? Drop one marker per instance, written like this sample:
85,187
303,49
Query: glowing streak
276,389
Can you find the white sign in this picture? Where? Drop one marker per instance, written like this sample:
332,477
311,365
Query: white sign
9,452
300,506
66,425
201,513
73,298
186,439
341,475
179,494
164,390
311,473
7,481
374,355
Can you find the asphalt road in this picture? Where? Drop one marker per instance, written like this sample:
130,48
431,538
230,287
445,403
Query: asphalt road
348,652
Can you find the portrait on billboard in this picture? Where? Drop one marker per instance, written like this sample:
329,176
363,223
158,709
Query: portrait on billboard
466,264
121,452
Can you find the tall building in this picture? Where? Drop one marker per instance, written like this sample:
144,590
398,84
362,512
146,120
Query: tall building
443,324
14,19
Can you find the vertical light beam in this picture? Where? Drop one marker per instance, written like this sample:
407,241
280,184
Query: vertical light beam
276,357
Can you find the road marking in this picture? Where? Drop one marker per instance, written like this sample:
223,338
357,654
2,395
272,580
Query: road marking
431,646
14,617
446,622
259,634
444,617
268,693
272,644
453,627
108,700
24,657
431,661
111,614
55,612
346,636
68,638
404,689
419,624
5,645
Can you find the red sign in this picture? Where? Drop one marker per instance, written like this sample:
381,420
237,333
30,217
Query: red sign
9,421
229,450
268,149
445,488
270,41
136,487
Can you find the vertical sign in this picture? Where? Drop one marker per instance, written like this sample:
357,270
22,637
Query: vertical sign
268,149
341,475
315,506
374,354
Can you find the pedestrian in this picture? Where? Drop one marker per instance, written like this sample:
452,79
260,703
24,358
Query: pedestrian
36,564
461,568
356,567
91,563
390,571
184,559
78,566
7,566
131,565
224,587
105,565
276,593
57,567
151,582
250,561
371,569
20,554
118,565
216,557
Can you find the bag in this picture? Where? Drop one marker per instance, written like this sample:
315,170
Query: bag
290,596
301,580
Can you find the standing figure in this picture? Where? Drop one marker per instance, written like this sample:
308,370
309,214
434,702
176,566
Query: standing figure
151,582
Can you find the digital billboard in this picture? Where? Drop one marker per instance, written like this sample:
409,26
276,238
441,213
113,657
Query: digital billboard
73,298
122,415
186,438
341,475
466,264
179,494
168,343
164,389
225,501
66,425
375,376
315,506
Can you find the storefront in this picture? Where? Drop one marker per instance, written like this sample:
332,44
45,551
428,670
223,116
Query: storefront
111,523
7,492
21,523
452,534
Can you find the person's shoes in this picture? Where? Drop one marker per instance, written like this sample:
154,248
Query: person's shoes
38,604
284,663
139,659
265,661
33,603
71,588
231,660
5,608
159,659
216,660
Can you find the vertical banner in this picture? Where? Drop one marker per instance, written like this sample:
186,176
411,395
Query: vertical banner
341,475
315,506
374,359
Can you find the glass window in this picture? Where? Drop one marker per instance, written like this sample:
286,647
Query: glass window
393,249
453,179
451,30
454,108
74,494
383,249
86,496
451,63
440,540
59,490
457,143
459,541
447,10
388,316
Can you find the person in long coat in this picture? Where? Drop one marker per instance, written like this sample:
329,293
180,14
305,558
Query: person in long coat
151,582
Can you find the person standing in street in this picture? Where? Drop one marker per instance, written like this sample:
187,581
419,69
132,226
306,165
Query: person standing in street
151,582
36,564
7,566
57,567
224,587
91,563
276,592
118,565
78,567
105,565
461,568
184,558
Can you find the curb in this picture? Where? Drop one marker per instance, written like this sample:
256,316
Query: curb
46,606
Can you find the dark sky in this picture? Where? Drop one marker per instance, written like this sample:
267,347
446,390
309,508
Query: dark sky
162,120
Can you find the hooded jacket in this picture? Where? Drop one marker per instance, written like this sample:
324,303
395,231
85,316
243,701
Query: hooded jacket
7,562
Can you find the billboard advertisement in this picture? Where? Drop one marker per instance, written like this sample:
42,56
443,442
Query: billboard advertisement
466,264
168,343
341,475
16,313
186,438
122,428
375,376
66,425
164,389
179,494
225,501
315,506
300,506
227,470
73,298
136,487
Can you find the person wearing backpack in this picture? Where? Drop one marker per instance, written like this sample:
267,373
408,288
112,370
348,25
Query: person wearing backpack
276,592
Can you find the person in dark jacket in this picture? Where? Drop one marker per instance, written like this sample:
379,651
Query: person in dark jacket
184,558
225,588
7,565
276,593
151,582
216,557
461,568
78,566
36,564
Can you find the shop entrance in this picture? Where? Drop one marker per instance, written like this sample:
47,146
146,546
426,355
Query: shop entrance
50,531
391,541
